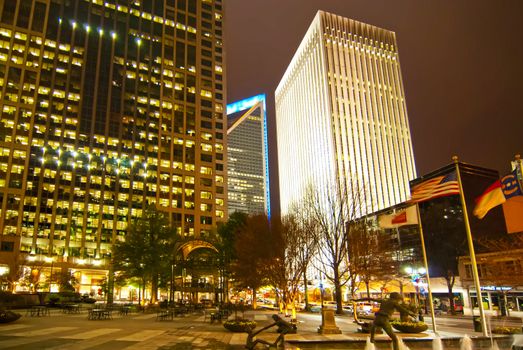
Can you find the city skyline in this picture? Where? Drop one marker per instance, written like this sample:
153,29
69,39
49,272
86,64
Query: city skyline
462,97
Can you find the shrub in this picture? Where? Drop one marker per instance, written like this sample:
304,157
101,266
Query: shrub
240,325
409,327
8,298
506,330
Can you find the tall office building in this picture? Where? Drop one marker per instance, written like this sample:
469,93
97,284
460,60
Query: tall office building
341,116
108,107
247,156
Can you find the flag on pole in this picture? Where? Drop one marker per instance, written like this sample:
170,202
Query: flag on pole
408,216
438,186
497,194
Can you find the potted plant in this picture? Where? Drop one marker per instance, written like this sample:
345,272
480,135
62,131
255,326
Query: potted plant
409,327
405,324
7,316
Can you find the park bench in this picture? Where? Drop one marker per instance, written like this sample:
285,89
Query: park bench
163,315
219,315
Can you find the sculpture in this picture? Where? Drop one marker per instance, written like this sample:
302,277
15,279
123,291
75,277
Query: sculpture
382,317
284,327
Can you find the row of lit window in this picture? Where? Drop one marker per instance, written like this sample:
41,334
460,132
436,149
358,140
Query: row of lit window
38,40
336,32
145,15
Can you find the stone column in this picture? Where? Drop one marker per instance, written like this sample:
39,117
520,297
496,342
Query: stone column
328,323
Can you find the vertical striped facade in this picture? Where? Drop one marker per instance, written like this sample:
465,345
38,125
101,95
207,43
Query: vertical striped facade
341,115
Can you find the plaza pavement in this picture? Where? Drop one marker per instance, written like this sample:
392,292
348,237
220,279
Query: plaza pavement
138,331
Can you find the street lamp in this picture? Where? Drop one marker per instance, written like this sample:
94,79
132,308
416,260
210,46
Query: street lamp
416,275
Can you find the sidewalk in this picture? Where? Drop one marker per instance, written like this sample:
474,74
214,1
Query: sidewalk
142,331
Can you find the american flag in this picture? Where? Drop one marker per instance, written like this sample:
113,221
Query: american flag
439,186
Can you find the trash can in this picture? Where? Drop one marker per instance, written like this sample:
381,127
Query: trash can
477,324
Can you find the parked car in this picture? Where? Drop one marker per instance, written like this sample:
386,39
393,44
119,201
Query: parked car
366,308
326,304
348,308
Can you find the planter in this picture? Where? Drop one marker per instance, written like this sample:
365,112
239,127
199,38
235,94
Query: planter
410,327
8,316
365,328
240,326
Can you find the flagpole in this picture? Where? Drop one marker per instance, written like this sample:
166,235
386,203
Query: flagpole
473,262
432,314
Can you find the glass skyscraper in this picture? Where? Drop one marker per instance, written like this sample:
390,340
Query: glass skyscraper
341,116
108,107
247,156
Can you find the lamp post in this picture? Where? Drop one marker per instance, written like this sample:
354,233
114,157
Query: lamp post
416,275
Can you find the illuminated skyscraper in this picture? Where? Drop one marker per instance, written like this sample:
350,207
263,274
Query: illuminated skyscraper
247,156
341,115
107,107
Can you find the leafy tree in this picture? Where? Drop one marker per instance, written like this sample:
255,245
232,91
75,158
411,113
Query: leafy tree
253,251
67,281
227,233
30,277
147,250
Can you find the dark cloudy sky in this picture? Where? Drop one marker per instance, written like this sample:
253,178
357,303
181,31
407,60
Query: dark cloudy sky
462,65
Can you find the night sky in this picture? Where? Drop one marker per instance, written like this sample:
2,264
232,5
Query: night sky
462,66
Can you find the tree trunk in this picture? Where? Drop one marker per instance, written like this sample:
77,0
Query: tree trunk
502,300
450,284
337,290
305,290
110,285
367,286
254,298
154,288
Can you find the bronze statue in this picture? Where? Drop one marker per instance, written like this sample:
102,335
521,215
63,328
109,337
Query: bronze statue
284,327
381,318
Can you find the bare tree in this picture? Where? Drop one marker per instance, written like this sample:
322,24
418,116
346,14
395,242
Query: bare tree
295,243
371,255
307,243
333,211
503,267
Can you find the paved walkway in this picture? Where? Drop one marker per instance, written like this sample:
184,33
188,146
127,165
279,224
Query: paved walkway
144,332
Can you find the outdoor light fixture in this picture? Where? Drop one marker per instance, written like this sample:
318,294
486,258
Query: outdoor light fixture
4,270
